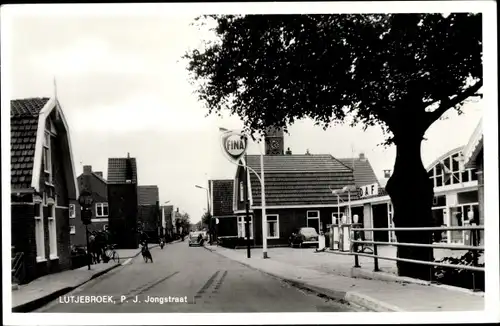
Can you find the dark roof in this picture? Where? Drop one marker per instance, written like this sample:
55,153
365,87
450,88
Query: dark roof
30,107
23,130
222,197
148,195
117,170
363,171
299,179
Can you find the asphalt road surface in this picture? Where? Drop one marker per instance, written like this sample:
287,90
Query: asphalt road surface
189,279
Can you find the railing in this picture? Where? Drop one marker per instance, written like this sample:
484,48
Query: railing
475,247
18,271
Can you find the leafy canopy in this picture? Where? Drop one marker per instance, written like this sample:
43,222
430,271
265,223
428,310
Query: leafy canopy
399,71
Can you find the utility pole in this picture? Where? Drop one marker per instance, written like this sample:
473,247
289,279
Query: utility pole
247,208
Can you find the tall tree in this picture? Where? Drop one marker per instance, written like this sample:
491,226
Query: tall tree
398,71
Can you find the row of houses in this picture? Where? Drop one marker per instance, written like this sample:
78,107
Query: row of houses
45,213
299,193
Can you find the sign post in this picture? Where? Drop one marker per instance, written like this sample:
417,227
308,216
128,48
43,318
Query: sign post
235,146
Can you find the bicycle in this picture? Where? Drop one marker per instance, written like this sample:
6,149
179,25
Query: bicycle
112,254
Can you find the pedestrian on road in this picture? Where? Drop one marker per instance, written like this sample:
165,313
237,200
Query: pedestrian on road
144,238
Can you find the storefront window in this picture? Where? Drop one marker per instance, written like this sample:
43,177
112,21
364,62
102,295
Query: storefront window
459,217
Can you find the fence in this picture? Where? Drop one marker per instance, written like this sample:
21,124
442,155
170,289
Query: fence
357,244
18,268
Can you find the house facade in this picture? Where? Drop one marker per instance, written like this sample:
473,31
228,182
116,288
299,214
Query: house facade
457,178
221,208
298,194
94,182
43,186
149,210
123,202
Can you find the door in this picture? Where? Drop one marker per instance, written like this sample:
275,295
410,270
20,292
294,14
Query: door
380,220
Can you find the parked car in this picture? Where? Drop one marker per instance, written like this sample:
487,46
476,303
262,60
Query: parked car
304,237
194,239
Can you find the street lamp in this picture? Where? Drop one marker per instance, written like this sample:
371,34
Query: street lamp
86,201
208,211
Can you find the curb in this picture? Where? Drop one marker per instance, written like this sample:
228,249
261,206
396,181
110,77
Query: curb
40,302
355,299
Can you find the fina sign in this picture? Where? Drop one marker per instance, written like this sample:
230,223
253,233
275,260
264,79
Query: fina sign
235,144
368,190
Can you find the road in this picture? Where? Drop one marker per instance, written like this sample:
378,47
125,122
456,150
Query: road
207,281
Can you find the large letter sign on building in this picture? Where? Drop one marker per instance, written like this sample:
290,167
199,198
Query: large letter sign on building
368,190
235,144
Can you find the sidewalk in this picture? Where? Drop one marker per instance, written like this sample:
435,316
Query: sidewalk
374,295
47,288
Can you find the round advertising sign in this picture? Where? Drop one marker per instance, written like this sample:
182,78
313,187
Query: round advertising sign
235,144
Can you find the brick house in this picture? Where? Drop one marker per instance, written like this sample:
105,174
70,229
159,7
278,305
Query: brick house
94,182
43,184
298,193
123,202
221,208
149,210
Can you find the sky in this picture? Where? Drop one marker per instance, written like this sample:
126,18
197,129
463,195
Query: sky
124,89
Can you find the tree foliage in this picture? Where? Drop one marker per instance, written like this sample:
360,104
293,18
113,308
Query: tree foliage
385,70
184,221
205,219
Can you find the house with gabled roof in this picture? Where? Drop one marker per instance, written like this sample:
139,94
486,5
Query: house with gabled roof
43,185
149,210
123,201
94,182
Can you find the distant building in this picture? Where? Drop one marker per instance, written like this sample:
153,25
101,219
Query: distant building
43,185
168,222
123,201
149,210
94,182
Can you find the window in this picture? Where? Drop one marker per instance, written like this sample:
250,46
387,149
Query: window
47,160
241,227
52,230
312,214
273,229
242,191
101,210
72,229
39,234
72,211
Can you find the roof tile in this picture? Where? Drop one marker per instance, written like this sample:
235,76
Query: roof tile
24,124
299,179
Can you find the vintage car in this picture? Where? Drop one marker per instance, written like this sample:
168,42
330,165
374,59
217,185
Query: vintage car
194,239
304,237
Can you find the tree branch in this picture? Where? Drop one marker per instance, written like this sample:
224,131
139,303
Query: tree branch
449,103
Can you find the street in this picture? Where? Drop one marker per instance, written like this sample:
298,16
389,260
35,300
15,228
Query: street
207,281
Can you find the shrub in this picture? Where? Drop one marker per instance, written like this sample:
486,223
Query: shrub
460,277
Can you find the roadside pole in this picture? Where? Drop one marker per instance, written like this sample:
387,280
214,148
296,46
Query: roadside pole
263,200
247,208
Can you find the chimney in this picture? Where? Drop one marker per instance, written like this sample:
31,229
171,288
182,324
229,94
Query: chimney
307,152
288,151
177,209
87,169
387,174
362,156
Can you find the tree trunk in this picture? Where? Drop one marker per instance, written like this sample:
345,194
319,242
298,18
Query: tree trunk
411,192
